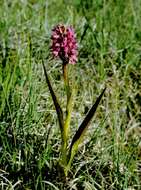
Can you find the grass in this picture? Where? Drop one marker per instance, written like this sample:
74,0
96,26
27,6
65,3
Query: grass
109,36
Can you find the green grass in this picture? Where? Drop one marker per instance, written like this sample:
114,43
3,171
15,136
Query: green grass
109,37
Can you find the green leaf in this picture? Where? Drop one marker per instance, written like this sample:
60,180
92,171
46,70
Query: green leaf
55,101
83,127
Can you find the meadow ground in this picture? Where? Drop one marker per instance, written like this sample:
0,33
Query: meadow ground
109,38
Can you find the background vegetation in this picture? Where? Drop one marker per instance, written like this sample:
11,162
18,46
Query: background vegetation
109,37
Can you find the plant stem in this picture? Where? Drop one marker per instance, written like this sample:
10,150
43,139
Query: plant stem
66,80
68,114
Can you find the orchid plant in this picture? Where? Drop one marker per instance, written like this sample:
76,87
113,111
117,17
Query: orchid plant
64,46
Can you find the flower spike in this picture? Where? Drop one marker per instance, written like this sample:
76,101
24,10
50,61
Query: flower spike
64,44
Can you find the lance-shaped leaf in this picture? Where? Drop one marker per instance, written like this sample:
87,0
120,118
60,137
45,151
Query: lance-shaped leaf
82,129
55,101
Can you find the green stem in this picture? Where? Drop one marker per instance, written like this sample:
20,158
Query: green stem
68,115
66,127
66,81
64,140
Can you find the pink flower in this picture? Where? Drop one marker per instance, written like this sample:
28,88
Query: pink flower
64,44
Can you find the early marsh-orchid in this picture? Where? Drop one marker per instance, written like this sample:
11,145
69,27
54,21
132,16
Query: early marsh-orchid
64,46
